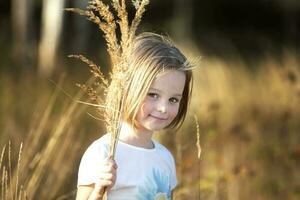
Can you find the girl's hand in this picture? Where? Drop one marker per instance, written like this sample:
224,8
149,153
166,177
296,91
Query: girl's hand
107,177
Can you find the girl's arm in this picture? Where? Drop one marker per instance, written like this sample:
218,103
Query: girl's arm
88,192
106,179
84,192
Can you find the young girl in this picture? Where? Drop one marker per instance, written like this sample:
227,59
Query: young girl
157,98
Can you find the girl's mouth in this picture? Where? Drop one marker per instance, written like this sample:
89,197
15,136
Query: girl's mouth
160,118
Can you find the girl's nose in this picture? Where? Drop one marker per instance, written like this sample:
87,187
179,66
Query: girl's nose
161,107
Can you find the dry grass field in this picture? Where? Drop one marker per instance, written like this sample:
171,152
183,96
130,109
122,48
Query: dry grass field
249,131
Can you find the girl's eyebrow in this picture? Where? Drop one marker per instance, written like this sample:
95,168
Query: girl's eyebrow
179,95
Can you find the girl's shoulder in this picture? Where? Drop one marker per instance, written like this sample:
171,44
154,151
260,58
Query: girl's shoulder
162,149
104,139
99,145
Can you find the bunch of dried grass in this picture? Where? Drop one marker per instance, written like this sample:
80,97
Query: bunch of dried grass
118,49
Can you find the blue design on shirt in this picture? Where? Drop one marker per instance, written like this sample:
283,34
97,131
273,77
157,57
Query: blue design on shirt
155,186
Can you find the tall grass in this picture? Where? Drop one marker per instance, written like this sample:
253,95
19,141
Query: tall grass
248,119
249,122
49,148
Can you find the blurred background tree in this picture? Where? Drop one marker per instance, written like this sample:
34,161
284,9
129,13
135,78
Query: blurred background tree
31,30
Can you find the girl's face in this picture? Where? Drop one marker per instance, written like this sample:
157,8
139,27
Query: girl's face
161,104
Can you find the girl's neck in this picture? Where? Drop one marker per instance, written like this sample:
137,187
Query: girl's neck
139,138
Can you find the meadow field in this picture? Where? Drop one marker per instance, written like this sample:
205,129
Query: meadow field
248,117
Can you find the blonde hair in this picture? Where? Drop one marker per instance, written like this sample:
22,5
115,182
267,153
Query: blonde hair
150,55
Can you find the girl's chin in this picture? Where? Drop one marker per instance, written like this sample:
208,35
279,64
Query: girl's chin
155,126
148,128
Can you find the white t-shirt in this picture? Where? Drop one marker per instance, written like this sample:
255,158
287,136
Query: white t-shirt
142,174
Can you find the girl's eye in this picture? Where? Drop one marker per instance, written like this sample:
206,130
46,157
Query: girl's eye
153,95
174,100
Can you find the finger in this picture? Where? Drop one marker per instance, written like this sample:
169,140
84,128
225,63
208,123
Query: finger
106,167
107,176
115,166
104,183
111,161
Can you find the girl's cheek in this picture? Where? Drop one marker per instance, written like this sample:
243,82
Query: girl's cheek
174,111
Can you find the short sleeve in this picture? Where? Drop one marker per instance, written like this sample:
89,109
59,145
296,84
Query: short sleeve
173,181
90,162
